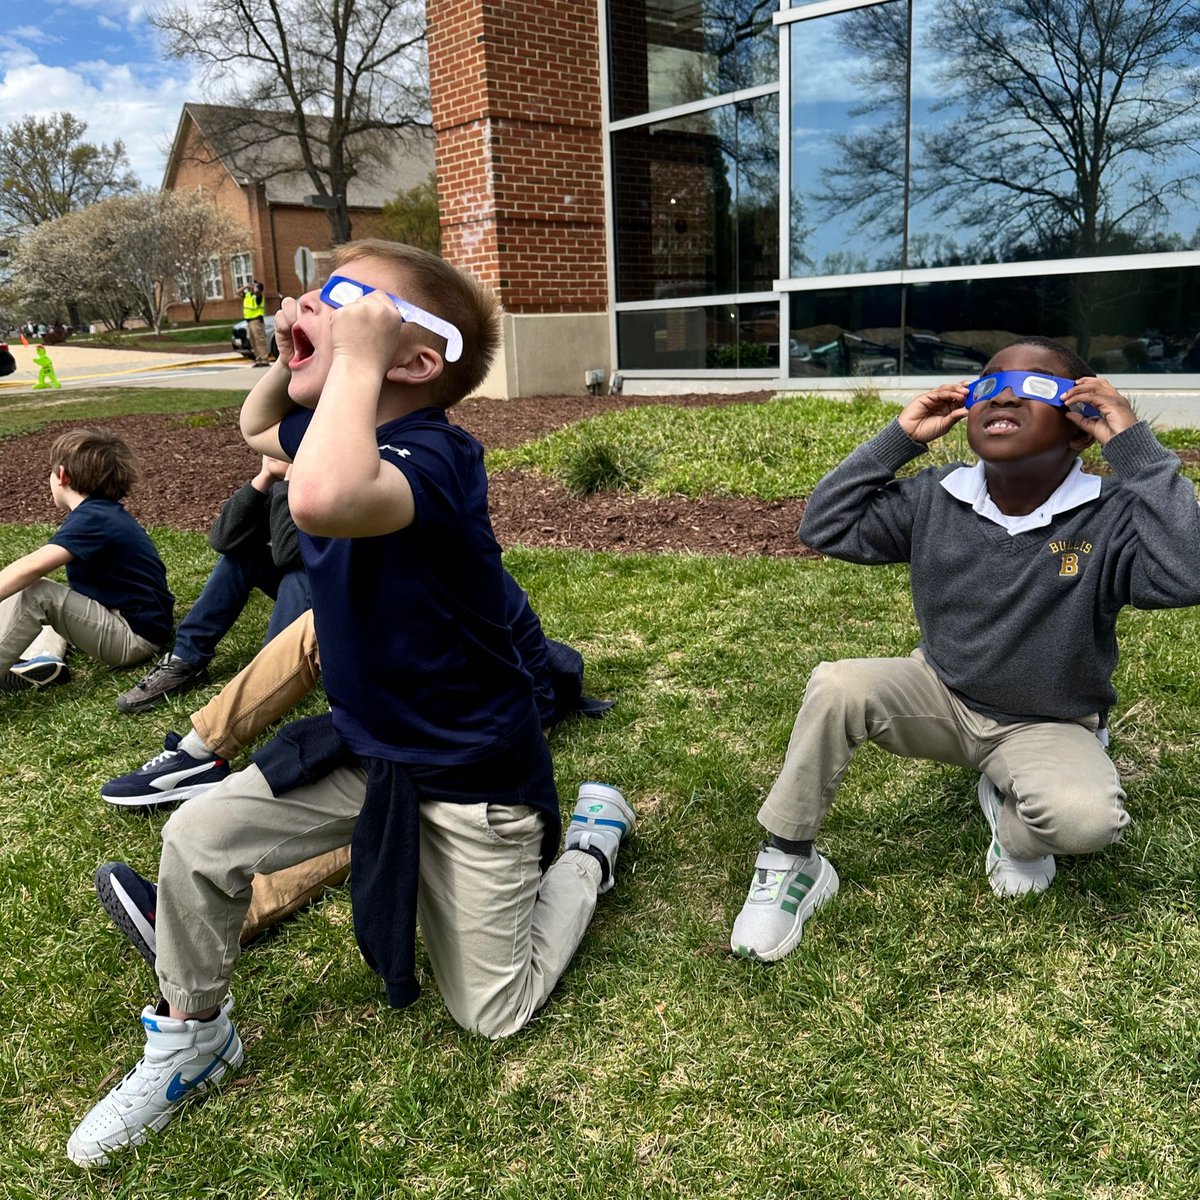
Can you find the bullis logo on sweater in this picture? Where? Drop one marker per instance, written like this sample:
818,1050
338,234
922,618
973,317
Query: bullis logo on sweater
400,451
1068,556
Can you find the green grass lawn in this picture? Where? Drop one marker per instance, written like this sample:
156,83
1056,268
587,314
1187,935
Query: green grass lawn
21,414
926,1039
185,335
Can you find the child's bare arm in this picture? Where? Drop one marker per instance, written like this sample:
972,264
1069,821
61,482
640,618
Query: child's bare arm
268,402
24,571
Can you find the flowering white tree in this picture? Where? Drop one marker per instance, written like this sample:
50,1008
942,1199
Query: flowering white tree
71,266
124,255
200,232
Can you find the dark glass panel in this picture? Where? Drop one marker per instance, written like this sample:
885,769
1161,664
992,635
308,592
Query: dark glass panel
844,331
1121,322
697,203
848,97
714,336
668,52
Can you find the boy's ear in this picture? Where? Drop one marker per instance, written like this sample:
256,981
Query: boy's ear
415,365
1080,440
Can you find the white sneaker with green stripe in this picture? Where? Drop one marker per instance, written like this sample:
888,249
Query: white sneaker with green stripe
786,890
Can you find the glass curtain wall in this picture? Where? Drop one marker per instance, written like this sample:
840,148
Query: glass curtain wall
954,174
984,171
695,183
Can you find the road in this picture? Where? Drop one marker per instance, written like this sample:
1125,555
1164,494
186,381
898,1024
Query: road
92,366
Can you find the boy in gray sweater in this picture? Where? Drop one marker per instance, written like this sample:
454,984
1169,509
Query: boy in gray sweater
1019,567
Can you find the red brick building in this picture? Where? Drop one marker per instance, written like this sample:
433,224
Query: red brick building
255,187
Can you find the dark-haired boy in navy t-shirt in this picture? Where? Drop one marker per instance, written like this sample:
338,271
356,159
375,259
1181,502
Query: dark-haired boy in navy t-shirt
433,758
115,605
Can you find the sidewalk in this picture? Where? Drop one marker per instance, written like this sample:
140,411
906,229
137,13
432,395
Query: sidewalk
94,365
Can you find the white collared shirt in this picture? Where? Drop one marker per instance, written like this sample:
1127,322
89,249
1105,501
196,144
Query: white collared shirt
969,484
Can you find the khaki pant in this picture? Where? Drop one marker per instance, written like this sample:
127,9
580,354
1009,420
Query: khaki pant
256,331
280,675
86,624
1061,791
498,933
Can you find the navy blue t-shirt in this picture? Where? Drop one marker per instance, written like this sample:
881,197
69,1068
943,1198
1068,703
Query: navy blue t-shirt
417,652
115,564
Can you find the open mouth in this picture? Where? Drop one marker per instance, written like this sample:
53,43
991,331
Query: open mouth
301,346
999,424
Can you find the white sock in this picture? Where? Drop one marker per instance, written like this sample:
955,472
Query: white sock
191,744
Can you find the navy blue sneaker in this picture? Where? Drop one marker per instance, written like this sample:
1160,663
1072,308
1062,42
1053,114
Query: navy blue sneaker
130,900
44,671
167,778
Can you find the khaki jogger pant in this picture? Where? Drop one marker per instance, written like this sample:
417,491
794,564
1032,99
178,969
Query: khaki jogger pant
498,933
1061,791
279,676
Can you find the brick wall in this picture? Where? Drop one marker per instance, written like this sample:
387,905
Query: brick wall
516,106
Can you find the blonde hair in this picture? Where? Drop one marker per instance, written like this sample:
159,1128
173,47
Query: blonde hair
98,463
450,294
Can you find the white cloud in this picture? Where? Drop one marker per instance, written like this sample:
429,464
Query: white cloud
138,103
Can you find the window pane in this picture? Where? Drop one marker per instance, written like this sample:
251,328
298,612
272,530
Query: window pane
1140,322
668,52
697,203
844,331
240,269
848,89
1053,131
742,337
212,279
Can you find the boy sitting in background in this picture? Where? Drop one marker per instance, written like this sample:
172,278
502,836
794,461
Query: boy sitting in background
256,538
1019,567
115,605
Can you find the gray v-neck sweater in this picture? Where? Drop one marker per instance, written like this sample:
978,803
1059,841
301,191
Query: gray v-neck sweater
1019,626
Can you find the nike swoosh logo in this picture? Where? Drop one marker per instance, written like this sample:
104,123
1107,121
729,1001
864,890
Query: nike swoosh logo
178,1087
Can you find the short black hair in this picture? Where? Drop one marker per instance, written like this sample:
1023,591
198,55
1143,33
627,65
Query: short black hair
1074,367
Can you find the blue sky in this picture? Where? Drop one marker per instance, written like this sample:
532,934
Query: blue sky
100,60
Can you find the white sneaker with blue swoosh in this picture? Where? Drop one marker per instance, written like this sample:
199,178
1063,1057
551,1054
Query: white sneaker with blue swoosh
182,1059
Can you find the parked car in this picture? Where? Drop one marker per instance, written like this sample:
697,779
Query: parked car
240,340
926,354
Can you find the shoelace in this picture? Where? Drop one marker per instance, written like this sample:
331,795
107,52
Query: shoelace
159,759
765,888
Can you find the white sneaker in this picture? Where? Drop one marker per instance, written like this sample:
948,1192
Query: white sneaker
1010,876
182,1059
602,820
786,890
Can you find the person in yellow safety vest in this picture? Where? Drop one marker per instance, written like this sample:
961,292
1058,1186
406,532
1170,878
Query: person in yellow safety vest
253,310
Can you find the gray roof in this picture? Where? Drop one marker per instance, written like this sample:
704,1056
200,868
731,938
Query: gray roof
260,147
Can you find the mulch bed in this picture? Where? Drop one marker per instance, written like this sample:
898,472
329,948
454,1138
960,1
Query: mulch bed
191,464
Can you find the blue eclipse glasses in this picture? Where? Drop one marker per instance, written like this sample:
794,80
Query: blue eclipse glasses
340,290
1049,389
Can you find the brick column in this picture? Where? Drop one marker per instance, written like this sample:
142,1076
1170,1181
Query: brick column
515,87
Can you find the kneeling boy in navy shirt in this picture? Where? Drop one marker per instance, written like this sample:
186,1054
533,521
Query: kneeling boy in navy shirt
434,758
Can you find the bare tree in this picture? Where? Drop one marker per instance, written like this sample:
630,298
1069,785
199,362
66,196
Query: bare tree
1074,127
47,170
335,77
869,177
1077,123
